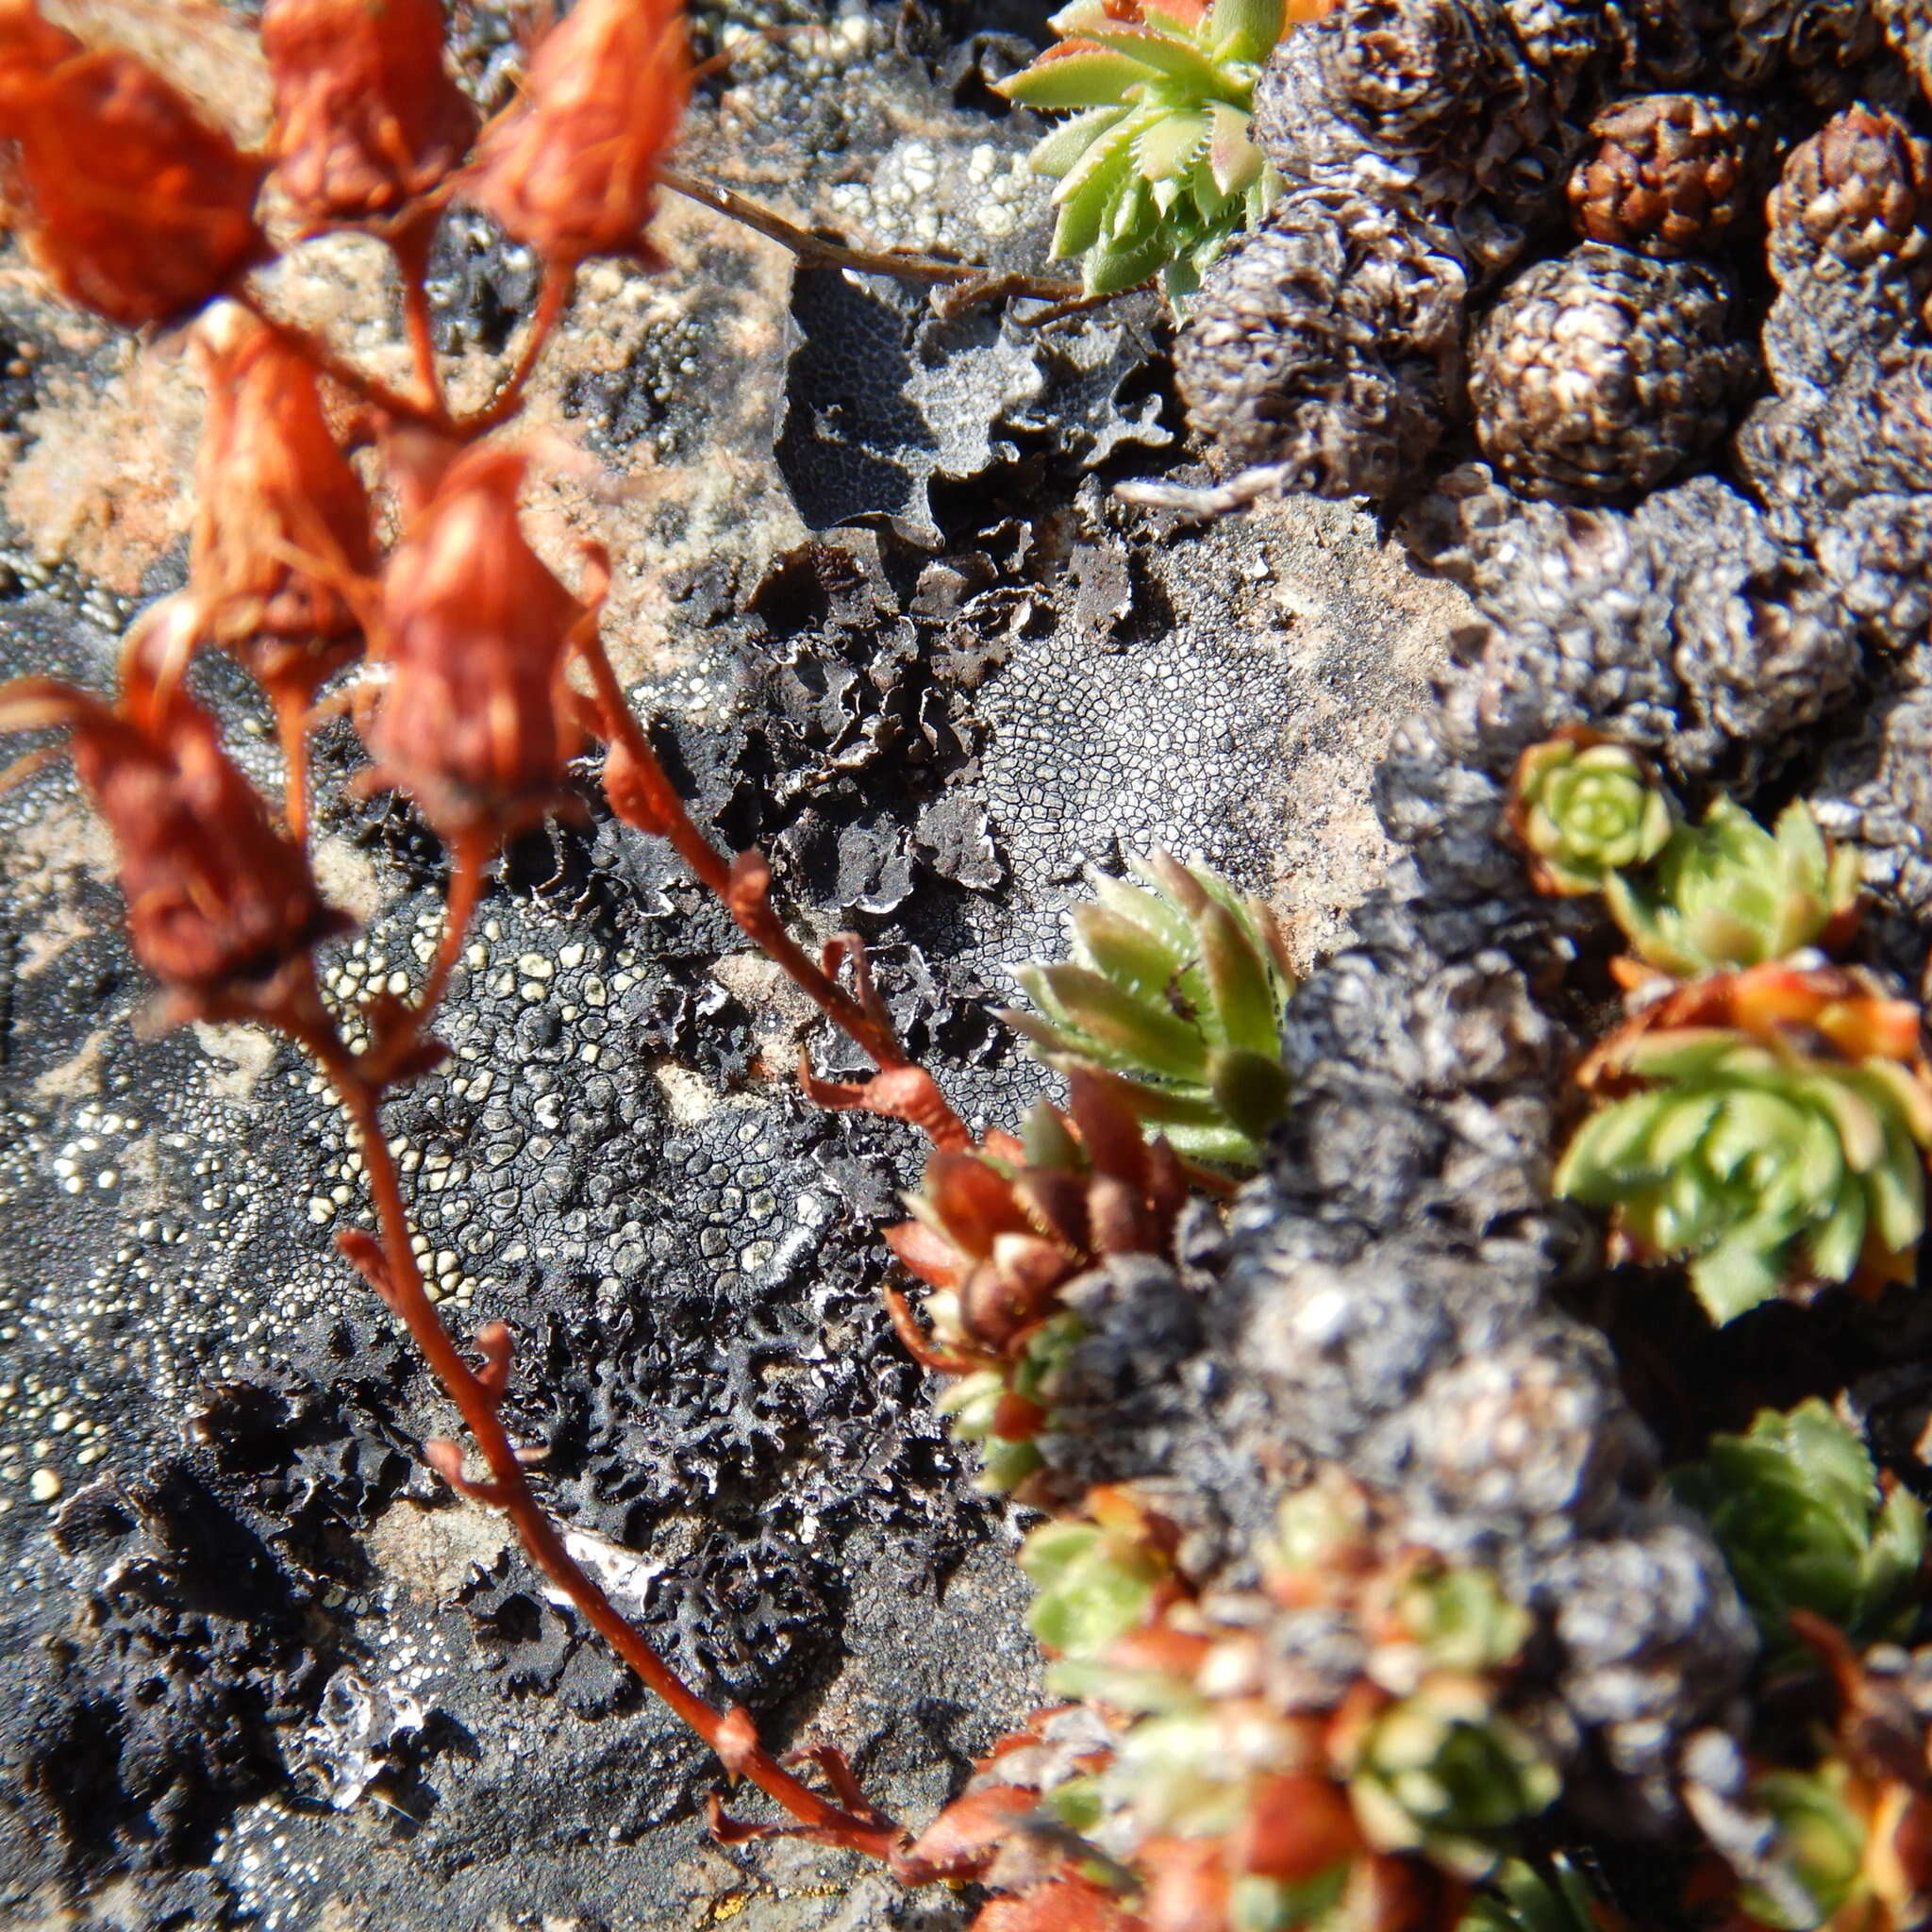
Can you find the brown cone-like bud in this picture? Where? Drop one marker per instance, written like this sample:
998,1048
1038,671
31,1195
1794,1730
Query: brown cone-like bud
366,116
1856,195
133,205
572,172
1598,372
1669,175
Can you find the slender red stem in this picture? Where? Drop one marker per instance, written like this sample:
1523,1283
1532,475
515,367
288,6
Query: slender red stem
410,244
729,1733
292,732
469,858
356,382
554,296
648,800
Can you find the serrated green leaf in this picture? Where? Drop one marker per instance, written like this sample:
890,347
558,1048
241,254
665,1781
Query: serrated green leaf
1154,1040
1233,160
1059,153
1176,59
1735,1276
1171,145
1076,76
1088,195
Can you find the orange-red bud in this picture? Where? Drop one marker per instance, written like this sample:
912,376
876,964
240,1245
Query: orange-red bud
283,519
474,719
571,171
133,205
367,117
219,901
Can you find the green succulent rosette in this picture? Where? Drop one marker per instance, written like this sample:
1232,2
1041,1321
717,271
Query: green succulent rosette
1727,894
1796,1507
1767,1168
1522,1898
976,1403
1093,1585
1180,986
1441,1774
1585,809
1819,1852
1155,169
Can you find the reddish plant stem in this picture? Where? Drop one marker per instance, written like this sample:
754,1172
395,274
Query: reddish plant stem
353,381
410,245
553,298
292,732
469,856
975,284
729,1733
648,800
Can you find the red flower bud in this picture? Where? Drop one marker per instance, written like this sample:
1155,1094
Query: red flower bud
367,118
219,901
571,171
473,718
131,204
283,518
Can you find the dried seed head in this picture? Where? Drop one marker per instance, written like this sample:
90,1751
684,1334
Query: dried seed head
219,901
572,172
474,719
1329,339
133,205
1668,177
1599,372
283,518
1858,195
1817,47
366,116
1412,70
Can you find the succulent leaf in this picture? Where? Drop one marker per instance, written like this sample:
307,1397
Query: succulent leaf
1180,986
1727,894
1179,84
1523,1899
1767,1167
1076,75
1585,809
1246,30
1093,1586
1441,1774
1821,1847
1796,1506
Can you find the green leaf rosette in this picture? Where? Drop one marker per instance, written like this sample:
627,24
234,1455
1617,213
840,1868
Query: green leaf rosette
1155,168
1727,894
1585,810
1180,986
1768,1169
1796,1507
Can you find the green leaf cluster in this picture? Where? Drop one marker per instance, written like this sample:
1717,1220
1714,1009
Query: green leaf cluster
1820,1850
1795,1506
1727,894
1441,1772
1093,1586
1180,986
1586,811
973,1403
1155,169
1520,1898
1762,1166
